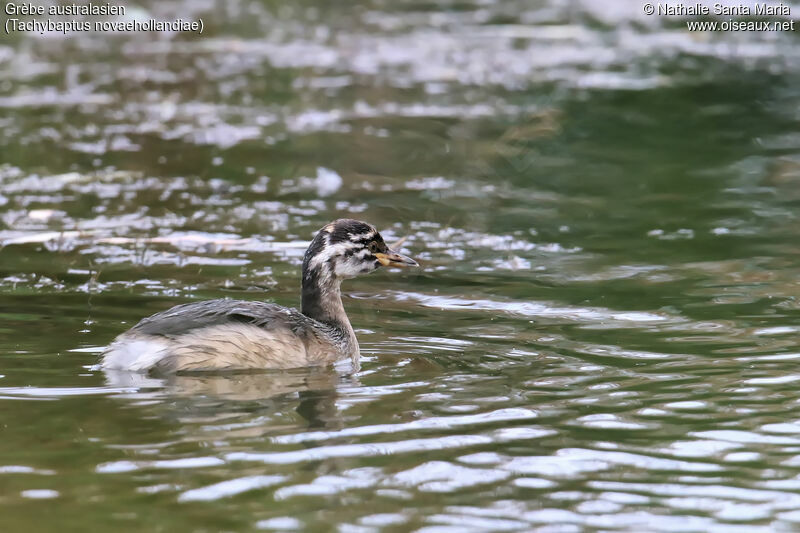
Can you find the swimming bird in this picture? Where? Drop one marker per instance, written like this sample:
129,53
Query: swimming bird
230,334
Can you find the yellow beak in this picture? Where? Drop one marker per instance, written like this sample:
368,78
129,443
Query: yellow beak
392,258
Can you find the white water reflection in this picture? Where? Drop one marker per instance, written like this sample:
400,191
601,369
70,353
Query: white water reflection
606,317
363,450
232,487
439,423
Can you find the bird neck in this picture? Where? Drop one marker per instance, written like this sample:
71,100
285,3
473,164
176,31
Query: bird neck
322,301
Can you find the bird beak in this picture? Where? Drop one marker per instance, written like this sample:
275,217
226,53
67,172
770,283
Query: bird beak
392,258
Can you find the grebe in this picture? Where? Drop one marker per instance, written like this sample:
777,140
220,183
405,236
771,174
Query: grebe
235,335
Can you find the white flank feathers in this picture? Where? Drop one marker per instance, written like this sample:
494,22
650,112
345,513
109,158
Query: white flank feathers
134,355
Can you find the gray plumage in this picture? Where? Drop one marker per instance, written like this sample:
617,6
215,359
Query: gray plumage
185,317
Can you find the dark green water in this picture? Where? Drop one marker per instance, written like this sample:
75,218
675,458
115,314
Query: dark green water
603,335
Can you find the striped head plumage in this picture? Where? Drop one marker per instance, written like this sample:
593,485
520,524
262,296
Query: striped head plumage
346,248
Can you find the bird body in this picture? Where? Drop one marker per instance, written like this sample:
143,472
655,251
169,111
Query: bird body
228,334
235,335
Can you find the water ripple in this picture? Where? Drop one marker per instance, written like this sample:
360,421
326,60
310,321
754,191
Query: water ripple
232,487
439,423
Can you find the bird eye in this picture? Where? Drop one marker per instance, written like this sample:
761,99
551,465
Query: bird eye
373,247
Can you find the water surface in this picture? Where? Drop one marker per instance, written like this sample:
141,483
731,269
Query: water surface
602,335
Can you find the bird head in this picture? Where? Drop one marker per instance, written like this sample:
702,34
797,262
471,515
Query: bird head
346,248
